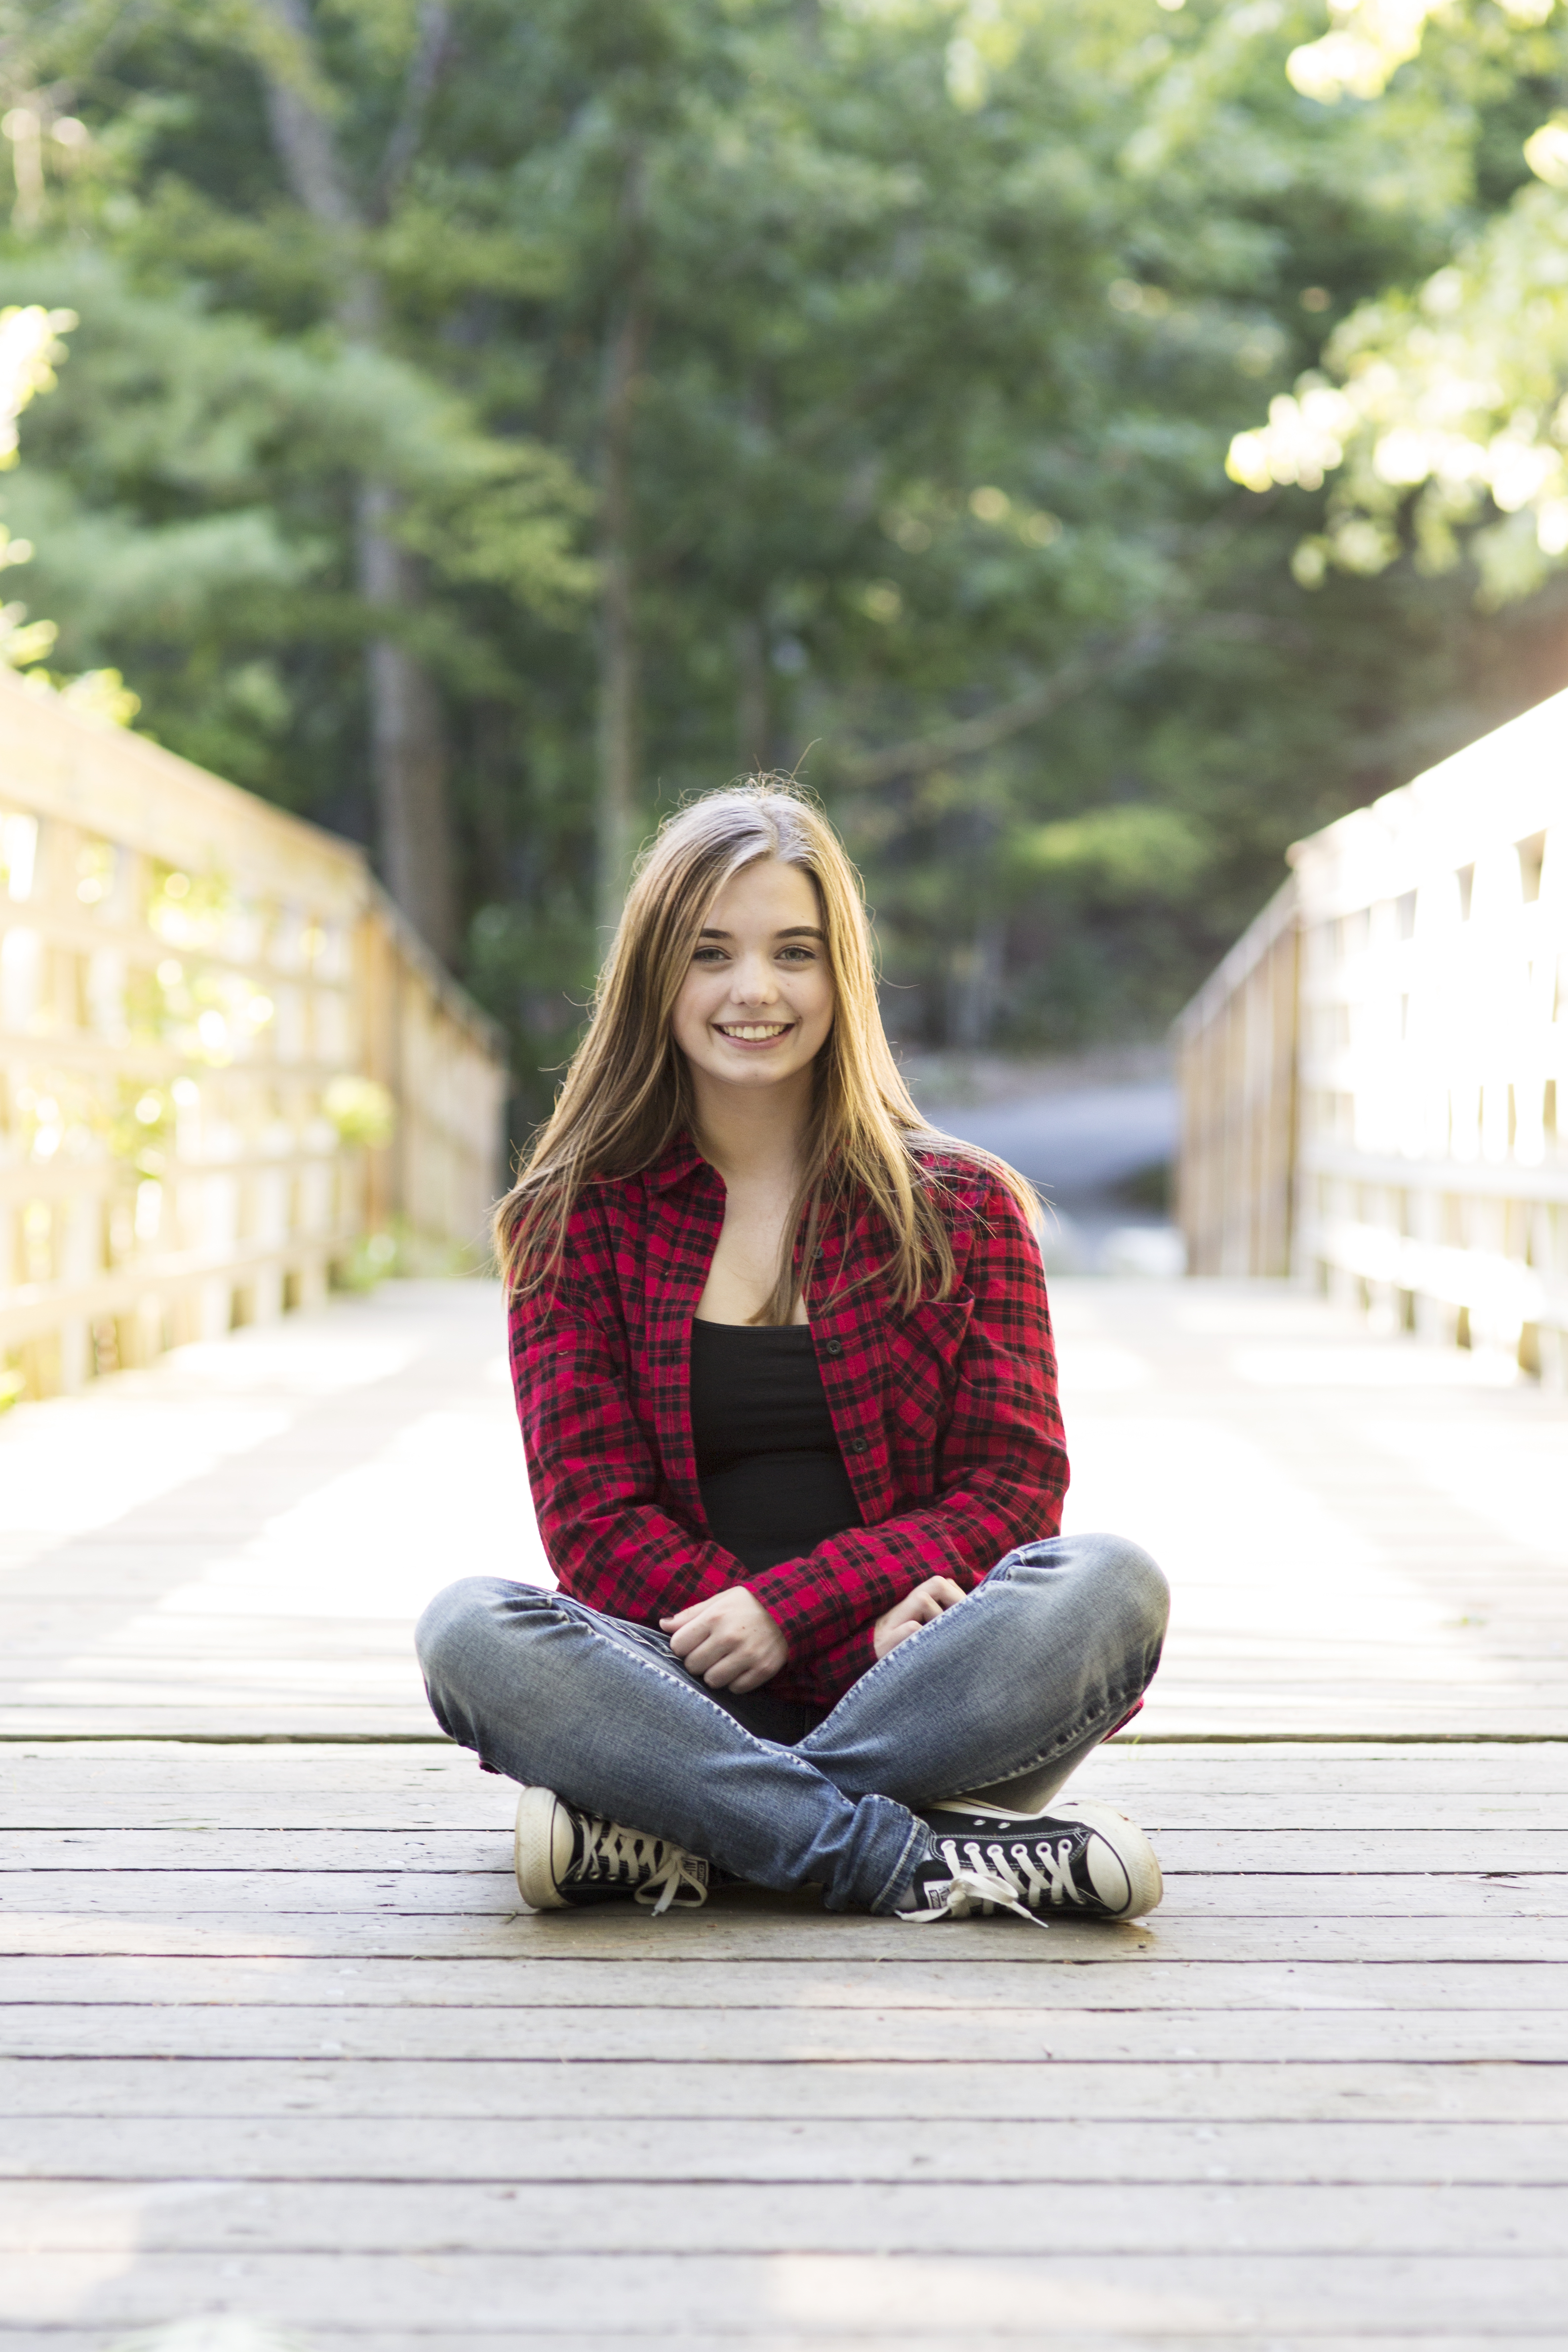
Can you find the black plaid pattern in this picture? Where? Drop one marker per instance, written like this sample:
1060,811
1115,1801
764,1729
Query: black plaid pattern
946,1413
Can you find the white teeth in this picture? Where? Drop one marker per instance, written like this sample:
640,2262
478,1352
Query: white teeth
754,1033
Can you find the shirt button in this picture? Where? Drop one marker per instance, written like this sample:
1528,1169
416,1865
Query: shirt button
833,1347
856,1445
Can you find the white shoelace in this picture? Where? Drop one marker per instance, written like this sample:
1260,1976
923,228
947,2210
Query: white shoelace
676,1883
614,1855
1004,1878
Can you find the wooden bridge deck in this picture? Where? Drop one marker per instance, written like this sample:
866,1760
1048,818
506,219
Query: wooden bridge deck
282,2048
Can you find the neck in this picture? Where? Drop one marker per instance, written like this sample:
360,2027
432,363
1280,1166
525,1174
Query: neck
753,1132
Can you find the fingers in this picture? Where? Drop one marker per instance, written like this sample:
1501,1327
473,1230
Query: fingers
713,1653
689,1626
705,1647
927,1602
695,1608
735,1666
727,1641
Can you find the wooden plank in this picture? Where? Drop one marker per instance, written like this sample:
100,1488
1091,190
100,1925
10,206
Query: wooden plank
63,2336
941,2215
763,2149
475,1892
478,1944
1065,2297
1078,1967
917,2039
1208,1708
203,1800
1410,2093
1186,1854
1288,1765
180,1640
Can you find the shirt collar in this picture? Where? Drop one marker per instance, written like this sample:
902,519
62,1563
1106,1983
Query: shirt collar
675,1162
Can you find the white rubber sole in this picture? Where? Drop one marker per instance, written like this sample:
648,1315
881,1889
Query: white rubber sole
540,1842
1122,1864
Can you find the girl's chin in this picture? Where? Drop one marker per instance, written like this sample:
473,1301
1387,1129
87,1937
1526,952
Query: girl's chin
756,1066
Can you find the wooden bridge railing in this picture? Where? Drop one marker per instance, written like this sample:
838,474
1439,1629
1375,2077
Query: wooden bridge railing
1236,1055
1375,1081
226,1062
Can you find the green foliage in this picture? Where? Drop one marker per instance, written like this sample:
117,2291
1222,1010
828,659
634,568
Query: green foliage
361,1110
1448,425
1135,849
946,318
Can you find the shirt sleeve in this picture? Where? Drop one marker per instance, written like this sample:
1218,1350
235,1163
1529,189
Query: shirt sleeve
1002,1465
596,1479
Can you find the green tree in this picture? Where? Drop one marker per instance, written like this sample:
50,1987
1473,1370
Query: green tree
255,467
755,381
1440,405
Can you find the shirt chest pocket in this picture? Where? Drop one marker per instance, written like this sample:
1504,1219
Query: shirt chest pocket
924,1345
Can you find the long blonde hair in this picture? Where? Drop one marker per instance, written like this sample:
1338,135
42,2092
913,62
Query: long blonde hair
628,1091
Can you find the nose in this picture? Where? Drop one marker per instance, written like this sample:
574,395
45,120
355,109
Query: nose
753,983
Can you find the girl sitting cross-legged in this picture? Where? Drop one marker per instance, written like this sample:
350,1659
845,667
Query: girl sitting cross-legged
784,1372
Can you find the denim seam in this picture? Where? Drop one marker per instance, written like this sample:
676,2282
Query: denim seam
651,1664
893,1655
1070,1737
894,1881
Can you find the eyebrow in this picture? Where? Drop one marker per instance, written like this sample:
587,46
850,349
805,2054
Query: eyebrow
796,931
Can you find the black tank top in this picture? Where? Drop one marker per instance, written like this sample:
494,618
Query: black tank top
774,1482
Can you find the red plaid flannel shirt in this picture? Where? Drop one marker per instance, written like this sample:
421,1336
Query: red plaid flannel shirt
945,1413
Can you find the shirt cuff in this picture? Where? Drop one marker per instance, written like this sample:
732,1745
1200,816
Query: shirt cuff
808,1610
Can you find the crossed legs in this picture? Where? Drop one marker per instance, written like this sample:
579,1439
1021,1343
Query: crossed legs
1009,1689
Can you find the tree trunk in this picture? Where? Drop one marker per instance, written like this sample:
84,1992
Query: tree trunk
975,982
408,750
753,716
619,652
407,739
617,809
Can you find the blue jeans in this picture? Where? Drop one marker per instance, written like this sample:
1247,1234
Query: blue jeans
1009,1689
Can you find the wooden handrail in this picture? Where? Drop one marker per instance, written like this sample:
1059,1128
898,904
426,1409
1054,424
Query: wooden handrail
1376,1080
226,1059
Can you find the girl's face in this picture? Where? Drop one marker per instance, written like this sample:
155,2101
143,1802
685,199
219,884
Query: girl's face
757,1002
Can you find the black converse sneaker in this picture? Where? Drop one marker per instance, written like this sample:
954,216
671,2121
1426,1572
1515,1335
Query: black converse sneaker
1086,1859
565,1857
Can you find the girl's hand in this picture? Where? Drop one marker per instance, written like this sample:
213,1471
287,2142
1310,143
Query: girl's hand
731,1641
916,1609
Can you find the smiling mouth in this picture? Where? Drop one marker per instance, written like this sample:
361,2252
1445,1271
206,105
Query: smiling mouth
753,1033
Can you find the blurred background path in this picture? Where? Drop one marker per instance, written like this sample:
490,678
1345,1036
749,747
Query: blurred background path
1096,1138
